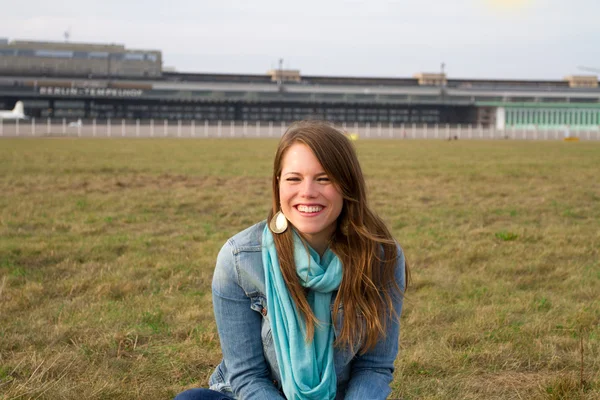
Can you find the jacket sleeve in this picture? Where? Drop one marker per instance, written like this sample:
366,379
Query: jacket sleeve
239,330
371,373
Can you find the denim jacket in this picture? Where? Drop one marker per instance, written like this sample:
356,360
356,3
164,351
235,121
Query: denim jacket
249,368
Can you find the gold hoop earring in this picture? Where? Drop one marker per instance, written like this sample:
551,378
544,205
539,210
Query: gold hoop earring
279,223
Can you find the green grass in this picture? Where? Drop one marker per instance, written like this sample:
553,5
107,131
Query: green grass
107,249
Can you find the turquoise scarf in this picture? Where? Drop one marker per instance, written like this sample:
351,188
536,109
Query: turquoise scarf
307,369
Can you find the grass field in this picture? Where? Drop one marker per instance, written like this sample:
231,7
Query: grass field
107,249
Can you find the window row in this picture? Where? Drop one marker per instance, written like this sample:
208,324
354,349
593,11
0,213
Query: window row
91,55
231,112
552,117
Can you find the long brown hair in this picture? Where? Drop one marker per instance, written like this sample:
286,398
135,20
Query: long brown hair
362,242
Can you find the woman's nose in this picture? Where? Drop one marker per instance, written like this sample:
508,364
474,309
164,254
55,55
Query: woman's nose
308,188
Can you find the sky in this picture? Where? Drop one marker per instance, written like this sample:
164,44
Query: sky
480,39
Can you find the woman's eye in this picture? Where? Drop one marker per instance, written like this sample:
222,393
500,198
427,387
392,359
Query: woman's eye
293,179
323,179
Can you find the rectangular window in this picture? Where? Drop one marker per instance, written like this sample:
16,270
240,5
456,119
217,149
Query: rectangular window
101,106
69,104
54,53
134,56
543,117
26,53
98,54
37,103
588,117
68,113
138,107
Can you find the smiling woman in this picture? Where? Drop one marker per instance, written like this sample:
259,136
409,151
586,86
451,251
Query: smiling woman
309,200
308,306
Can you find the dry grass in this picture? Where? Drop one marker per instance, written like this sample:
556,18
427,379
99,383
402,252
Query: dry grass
107,249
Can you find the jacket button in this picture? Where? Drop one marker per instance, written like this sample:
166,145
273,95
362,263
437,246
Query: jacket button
264,311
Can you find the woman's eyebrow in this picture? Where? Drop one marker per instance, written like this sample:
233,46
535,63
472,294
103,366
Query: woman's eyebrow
298,173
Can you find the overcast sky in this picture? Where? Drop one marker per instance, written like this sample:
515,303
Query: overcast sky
503,39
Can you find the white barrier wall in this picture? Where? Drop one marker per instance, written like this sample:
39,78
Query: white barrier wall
232,129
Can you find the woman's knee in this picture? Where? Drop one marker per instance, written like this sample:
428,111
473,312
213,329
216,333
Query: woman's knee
201,394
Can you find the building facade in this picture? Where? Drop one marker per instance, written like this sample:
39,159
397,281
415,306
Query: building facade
82,81
77,59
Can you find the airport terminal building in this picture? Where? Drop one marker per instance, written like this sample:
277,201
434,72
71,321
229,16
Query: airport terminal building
94,81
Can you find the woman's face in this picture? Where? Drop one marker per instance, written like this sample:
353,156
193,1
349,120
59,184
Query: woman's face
309,200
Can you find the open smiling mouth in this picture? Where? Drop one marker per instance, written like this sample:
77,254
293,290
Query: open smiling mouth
309,210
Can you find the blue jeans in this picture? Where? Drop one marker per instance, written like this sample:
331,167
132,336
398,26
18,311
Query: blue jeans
202,394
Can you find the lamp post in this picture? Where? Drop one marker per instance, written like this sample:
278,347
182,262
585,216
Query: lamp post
280,76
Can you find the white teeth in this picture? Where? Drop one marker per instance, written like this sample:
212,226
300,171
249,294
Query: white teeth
309,209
